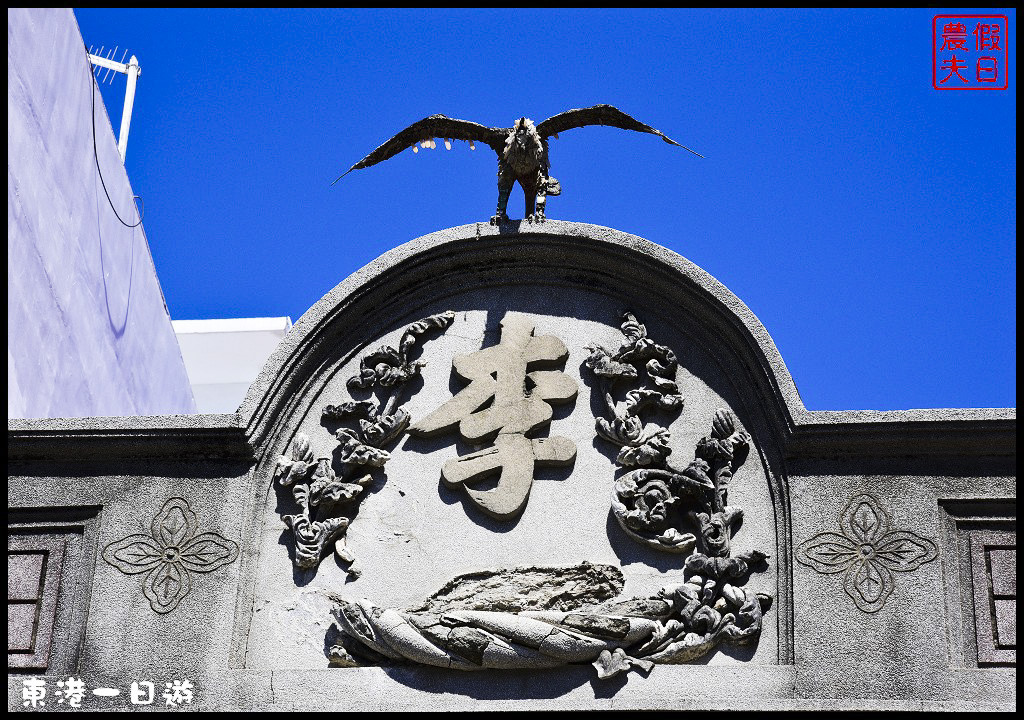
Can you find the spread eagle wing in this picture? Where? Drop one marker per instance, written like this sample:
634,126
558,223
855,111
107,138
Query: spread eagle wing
599,115
433,127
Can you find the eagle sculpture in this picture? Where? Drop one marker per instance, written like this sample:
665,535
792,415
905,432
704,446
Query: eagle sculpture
522,149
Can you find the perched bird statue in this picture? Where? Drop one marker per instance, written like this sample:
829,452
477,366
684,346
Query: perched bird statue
522,149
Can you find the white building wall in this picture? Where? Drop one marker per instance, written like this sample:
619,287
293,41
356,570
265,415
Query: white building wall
88,331
223,357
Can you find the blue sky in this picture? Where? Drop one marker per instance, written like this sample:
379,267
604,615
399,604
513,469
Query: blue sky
867,219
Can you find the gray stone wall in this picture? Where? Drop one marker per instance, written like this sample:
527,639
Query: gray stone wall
889,535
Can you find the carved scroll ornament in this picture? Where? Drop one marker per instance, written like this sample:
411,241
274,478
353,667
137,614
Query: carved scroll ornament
323,495
654,503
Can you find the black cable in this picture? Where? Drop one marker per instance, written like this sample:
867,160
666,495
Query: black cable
95,155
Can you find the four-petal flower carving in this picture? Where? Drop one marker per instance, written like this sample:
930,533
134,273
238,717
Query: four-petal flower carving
868,550
169,553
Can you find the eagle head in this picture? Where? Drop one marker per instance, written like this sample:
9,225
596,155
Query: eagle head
523,148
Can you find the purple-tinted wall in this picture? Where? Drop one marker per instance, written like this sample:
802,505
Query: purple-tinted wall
88,332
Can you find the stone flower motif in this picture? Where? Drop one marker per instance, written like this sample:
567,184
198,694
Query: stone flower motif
169,553
650,452
868,551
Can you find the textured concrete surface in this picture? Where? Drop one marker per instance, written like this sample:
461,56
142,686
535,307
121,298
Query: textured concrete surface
88,332
253,634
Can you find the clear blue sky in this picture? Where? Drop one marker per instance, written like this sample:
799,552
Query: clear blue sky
866,218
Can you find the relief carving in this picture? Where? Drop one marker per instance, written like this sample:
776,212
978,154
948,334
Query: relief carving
169,554
867,551
322,494
655,503
498,375
549,617
531,618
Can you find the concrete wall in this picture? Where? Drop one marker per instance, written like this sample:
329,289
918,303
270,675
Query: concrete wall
88,330
934,492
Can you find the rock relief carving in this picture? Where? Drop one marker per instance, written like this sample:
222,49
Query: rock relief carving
867,550
499,375
654,503
550,617
324,495
169,554
530,618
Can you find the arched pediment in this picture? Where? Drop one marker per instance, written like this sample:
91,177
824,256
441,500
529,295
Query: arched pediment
573,257
567,287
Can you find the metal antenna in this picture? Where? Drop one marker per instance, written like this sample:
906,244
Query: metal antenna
132,71
109,54
123,56
98,70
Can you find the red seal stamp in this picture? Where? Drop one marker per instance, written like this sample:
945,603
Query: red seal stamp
970,52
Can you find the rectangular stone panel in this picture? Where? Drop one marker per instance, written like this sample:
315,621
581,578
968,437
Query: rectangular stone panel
980,554
1006,623
994,574
34,564
25,575
1004,571
50,562
21,625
